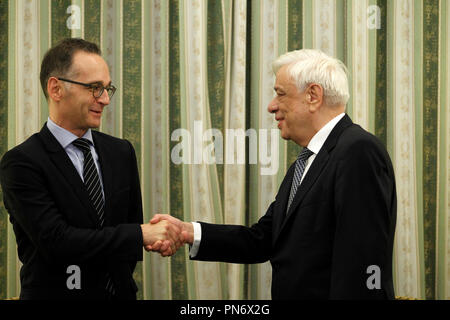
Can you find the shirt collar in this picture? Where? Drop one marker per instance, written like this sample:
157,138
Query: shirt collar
321,136
65,137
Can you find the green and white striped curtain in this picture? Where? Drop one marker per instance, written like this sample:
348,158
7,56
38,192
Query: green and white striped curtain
199,65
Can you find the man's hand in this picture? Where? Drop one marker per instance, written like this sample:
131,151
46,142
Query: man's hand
166,235
187,231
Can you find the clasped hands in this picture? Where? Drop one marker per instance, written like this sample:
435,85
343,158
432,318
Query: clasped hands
166,234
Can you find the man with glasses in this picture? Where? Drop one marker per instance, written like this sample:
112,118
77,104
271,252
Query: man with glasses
73,194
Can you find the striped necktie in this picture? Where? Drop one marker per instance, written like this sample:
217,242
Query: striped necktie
94,189
91,178
300,165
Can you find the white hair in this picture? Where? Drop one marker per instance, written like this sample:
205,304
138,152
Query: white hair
308,66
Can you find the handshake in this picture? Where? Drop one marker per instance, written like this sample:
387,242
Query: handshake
165,234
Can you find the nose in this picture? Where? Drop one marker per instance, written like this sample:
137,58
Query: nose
104,98
273,106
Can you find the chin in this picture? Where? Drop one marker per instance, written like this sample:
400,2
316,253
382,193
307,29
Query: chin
95,124
285,136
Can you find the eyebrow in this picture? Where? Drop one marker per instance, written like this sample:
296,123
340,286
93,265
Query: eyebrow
100,83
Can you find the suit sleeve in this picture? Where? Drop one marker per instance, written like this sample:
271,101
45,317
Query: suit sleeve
27,198
365,221
237,244
135,212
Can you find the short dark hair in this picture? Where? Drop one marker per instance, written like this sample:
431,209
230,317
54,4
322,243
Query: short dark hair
58,60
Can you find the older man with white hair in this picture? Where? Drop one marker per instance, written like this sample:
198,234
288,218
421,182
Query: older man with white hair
329,232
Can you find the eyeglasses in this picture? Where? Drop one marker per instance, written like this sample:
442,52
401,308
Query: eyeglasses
97,88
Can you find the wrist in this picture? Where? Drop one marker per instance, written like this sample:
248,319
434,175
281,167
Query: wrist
189,230
187,226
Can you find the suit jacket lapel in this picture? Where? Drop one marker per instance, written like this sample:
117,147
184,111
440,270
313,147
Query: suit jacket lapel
282,201
314,171
309,179
104,158
62,161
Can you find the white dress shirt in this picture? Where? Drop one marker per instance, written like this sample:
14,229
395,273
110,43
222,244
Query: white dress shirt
65,139
314,145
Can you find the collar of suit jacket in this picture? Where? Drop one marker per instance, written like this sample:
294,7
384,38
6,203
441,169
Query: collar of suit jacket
321,136
64,136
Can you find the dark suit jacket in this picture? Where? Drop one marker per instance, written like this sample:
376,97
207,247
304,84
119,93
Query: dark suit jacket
342,221
56,225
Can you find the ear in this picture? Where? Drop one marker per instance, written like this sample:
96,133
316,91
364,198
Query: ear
314,96
54,89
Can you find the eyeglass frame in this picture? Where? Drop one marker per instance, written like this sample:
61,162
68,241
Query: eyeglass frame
92,86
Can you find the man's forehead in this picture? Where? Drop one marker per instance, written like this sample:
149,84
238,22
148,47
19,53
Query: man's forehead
91,66
84,57
282,78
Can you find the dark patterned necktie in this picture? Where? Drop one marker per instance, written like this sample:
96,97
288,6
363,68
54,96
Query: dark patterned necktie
91,178
94,189
300,165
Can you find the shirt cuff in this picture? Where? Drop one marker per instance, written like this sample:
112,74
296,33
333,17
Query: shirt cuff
197,238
